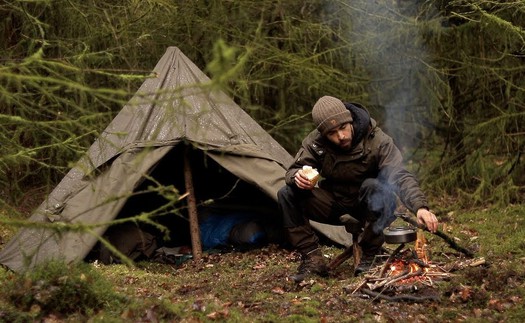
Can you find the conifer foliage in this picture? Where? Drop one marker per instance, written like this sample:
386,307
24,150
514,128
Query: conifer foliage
445,78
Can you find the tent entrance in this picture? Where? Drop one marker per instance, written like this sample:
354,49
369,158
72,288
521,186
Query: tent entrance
232,213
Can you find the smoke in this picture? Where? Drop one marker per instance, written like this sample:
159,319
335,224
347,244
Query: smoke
386,35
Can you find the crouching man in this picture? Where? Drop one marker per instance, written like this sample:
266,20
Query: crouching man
362,175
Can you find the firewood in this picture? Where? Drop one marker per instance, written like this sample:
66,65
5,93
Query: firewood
389,260
400,298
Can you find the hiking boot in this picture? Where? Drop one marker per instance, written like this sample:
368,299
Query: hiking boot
312,263
365,265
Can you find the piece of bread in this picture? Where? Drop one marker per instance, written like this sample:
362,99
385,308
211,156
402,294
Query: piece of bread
311,174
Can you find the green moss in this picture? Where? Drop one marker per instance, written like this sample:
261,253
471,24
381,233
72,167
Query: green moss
57,288
494,231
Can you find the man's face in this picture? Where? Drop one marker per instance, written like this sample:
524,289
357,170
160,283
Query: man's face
341,136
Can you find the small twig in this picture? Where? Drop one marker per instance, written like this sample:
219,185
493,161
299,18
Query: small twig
446,256
441,268
388,279
430,281
420,263
478,262
374,279
363,283
407,276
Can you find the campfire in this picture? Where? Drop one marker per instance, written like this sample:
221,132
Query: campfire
402,275
407,274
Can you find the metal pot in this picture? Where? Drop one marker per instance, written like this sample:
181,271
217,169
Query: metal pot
398,235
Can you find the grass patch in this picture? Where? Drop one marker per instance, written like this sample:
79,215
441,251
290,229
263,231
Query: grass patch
57,289
495,232
253,286
6,232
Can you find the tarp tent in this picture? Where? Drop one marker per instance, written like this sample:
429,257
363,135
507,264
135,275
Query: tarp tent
172,113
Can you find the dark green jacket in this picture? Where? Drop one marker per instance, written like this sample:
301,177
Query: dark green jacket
373,155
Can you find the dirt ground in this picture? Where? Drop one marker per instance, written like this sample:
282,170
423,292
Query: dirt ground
255,286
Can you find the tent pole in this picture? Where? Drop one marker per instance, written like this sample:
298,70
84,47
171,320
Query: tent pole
196,245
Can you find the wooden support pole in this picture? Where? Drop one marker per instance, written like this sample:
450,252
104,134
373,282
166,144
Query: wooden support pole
342,257
354,250
196,245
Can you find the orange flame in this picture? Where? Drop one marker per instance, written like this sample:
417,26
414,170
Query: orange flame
400,266
421,247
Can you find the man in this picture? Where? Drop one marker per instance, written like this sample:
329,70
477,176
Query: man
362,177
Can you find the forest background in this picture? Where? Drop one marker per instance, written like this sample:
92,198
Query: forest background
445,78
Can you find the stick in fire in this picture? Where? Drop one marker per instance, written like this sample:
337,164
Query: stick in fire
441,234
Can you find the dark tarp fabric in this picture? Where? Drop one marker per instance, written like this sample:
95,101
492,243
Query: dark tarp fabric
175,106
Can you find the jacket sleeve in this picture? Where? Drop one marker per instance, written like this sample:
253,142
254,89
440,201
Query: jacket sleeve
405,183
305,156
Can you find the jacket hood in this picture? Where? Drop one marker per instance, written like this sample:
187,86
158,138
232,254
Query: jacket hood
361,121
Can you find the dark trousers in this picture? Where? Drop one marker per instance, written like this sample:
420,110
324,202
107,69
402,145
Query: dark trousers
373,208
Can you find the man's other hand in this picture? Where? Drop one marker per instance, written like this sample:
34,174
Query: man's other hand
427,218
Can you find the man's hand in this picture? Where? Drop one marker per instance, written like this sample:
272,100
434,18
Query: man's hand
302,181
427,218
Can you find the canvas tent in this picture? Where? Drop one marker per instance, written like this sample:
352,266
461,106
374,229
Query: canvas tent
173,113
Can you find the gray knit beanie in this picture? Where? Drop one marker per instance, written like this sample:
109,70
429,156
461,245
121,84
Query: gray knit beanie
330,112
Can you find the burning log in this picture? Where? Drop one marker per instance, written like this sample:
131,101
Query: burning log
389,260
405,269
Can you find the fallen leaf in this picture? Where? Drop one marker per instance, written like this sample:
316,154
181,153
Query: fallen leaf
295,301
278,290
151,316
218,315
478,312
199,306
259,266
515,299
466,293
126,314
